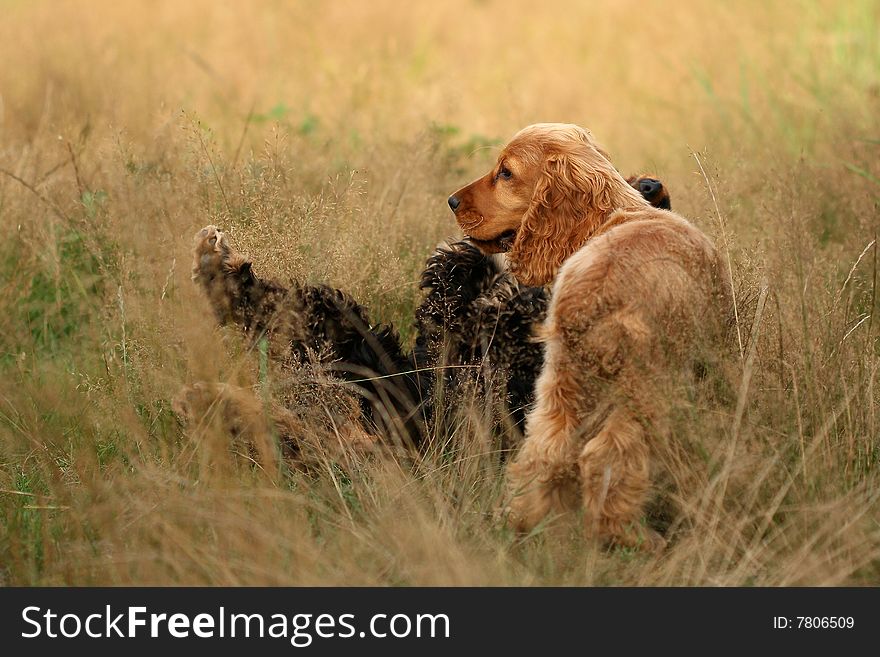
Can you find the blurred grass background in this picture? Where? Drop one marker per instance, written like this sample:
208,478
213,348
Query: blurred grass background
325,137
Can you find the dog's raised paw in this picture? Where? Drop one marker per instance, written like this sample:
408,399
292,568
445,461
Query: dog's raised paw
210,249
213,256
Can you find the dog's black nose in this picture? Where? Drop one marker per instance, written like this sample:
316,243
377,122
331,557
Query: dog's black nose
453,203
648,187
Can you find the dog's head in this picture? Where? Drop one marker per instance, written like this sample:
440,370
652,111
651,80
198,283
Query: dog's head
550,189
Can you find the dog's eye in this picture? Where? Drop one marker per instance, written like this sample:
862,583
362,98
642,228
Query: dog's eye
505,173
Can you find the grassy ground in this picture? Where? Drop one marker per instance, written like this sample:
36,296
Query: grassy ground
326,139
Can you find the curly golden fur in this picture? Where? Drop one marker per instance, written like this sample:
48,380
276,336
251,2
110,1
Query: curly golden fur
637,294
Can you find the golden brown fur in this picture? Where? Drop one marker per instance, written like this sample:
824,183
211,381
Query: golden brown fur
638,292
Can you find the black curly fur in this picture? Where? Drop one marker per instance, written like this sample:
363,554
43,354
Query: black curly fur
454,277
316,323
475,314
369,356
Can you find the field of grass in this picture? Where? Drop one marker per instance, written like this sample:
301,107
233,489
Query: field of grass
326,137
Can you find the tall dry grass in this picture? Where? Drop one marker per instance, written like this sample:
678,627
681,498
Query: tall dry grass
326,137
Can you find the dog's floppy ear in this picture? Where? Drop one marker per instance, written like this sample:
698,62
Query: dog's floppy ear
570,199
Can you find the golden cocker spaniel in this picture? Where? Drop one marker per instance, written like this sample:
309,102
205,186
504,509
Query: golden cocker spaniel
637,292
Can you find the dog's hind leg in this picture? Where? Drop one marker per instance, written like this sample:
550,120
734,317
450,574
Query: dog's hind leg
542,479
615,481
